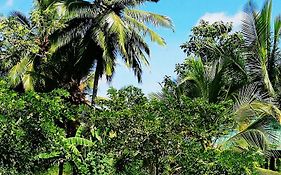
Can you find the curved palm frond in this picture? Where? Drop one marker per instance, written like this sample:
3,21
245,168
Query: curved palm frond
143,28
245,139
21,73
131,3
251,103
148,17
22,19
116,25
204,80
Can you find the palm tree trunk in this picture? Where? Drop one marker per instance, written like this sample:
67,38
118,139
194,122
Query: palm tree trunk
96,81
95,87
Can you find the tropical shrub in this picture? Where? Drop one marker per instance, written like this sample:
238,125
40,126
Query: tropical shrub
27,127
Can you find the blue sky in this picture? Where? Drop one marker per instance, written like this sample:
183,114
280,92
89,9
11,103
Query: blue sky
185,14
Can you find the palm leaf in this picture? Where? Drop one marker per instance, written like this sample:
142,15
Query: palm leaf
148,17
19,70
143,28
77,141
130,3
27,78
246,139
257,34
22,19
51,155
117,27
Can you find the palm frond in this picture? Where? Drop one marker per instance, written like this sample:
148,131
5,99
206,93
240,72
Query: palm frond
22,19
130,3
256,29
77,141
145,30
27,78
140,47
148,17
68,34
275,48
19,70
245,139
197,74
156,95
117,27
108,51
84,12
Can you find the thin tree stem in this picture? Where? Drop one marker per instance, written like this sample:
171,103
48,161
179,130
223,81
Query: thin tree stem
96,82
61,163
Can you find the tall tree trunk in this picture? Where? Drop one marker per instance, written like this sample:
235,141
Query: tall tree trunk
96,81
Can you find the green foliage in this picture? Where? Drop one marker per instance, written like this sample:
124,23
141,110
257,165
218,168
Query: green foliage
196,161
25,47
182,131
27,127
262,45
128,134
54,170
214,41
215,66
162,137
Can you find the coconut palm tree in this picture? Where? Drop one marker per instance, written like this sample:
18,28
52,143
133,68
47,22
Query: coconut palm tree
201,80
255,110
263,56
107,30
259,123
30,41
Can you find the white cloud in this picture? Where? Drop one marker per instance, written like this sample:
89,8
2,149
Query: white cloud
9,3
221,16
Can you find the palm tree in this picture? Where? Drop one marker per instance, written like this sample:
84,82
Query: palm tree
201,80
107,30
258,120
254,110
263,55
16,57
28,57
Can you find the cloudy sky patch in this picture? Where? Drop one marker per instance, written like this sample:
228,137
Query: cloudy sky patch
9,3
236,19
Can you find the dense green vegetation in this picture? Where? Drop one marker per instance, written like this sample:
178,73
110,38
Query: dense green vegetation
220,116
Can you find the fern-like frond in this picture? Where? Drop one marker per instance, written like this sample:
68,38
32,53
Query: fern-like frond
246,139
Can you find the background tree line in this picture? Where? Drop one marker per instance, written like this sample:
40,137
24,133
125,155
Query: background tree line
220,116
